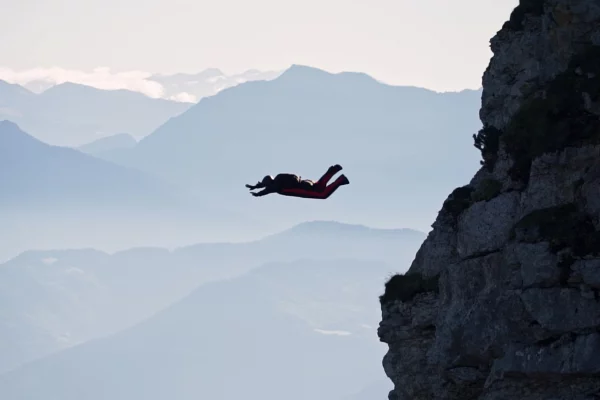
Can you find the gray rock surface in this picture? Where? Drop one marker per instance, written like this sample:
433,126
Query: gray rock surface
515,313
486,225
588,272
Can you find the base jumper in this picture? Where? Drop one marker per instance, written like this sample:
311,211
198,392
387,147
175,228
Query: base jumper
295,186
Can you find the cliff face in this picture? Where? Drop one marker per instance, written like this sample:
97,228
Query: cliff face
502,300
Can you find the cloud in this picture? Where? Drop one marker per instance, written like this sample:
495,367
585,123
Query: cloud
40,79
100,78
336,333
215,79
184,97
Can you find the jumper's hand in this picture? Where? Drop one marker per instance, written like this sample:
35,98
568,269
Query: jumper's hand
254,194
250,187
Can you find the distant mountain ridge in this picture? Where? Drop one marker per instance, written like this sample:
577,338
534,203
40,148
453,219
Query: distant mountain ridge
70,114
34,174
392,141
109,143
206,83
183,87
266,330
53,299
334,228
11,93
57,196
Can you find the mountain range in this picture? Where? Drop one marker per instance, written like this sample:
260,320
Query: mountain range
388,139
70,114
35,175
193,87
306,321
183,87
55,196
293,314
403,149
54,300
109,144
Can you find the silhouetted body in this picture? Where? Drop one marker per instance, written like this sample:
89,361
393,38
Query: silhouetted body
293,185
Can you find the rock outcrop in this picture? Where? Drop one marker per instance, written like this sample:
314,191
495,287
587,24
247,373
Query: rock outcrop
502,300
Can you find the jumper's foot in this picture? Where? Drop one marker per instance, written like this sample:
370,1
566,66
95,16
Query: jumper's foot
334,169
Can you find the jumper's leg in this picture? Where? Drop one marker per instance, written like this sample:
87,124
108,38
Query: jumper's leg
313,194
322,182
329,190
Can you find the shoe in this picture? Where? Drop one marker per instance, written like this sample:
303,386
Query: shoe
334,169
343,180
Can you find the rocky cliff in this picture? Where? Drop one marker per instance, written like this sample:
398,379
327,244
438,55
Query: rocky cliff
502,300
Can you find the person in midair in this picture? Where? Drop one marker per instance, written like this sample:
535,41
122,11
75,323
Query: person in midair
293,185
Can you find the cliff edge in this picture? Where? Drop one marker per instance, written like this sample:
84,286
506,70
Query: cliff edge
502,301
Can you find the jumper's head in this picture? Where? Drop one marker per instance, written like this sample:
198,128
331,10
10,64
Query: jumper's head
267,180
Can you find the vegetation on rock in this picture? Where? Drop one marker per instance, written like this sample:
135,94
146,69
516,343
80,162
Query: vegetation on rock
551,120
569,232
562,227
558,119
487,190
404,287
458,201
487,140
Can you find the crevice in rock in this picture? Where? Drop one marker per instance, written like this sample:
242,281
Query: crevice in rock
555,339
481,254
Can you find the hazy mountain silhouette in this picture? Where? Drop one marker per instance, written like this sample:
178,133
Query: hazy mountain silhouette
12,96
180,86
403,148
109,143
71,114
307,321
39,85
206,83
60,197
34,175
51,300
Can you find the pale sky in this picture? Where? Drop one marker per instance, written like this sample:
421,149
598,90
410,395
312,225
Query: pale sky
438,44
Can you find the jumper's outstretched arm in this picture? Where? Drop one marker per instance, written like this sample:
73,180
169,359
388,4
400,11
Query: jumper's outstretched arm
263,192
257,186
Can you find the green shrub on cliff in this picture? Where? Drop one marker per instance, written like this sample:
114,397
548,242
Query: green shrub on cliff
487,190
487,140
405,287
458,201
